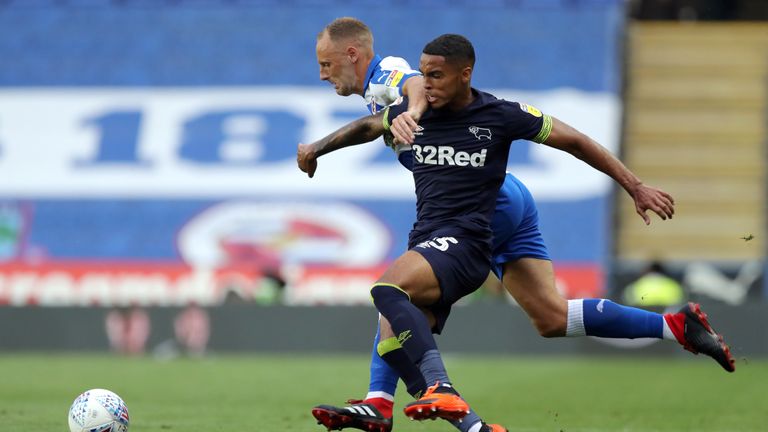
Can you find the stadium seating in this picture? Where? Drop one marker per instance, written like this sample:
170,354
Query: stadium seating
695,126
529,4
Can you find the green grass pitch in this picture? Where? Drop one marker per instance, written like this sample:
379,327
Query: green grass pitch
274,393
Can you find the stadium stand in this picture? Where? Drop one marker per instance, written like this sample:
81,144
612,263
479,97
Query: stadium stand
695,124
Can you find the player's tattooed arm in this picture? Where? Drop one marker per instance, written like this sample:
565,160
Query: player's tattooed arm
359,131
566,138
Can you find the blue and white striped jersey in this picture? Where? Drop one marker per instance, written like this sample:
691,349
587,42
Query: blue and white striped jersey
384,83
384,87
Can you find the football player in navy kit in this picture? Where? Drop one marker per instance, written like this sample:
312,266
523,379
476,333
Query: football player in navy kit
460,151
347,60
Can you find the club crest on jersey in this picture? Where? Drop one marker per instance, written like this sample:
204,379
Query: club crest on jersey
530,110
480,133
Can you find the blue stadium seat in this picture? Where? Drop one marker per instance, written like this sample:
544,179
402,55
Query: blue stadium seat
540,4
28,3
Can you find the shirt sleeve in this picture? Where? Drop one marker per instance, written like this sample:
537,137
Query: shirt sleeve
526,122
386,84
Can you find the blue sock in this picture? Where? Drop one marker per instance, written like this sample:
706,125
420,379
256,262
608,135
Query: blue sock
408,322
604,318
383,378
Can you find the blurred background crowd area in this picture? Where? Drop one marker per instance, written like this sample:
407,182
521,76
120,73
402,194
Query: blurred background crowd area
147,149
746,10
698,10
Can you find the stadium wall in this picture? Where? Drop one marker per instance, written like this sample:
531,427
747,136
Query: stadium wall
147,148
478,328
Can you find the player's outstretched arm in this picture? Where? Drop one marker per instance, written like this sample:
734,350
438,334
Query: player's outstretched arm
359,131
404,125
566,138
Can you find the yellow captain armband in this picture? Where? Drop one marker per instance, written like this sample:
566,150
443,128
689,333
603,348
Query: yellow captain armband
546,129
385,119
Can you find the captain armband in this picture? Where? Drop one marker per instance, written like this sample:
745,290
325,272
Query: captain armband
546,129
385,119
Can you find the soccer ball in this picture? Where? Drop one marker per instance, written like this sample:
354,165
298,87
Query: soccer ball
98,410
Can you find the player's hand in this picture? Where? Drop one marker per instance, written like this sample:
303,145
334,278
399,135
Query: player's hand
306,159
649,198
404,126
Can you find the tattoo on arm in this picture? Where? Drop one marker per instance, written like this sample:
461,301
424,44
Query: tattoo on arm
359,131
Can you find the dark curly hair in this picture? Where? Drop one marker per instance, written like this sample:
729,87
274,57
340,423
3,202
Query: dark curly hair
455,48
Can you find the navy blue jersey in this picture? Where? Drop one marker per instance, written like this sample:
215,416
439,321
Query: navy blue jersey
460,158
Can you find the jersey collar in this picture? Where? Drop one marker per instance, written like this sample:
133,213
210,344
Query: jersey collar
369,73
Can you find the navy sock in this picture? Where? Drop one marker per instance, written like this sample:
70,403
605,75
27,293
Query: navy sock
396,357
605,318
433,369
408,322
467,422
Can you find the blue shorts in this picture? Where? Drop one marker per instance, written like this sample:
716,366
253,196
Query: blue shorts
460,263
515,226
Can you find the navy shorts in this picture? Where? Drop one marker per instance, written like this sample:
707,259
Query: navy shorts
515,226
461,265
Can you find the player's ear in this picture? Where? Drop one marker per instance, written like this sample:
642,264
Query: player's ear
352,54
466,74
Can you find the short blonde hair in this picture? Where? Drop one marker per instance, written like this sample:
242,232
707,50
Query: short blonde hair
348,28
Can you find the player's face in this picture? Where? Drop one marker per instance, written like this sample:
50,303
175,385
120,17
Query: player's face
336,66
443,81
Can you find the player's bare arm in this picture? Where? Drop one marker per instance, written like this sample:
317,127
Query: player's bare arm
566,138
405,124
359,131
